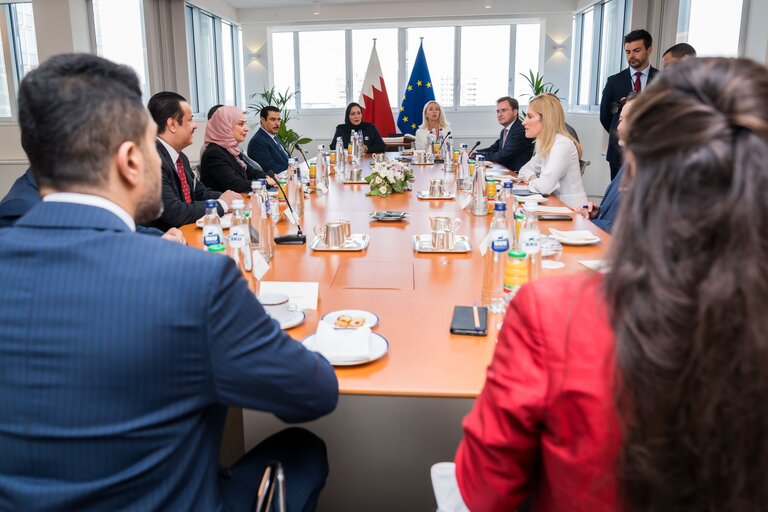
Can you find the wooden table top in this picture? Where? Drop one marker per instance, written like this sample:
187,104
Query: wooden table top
415,292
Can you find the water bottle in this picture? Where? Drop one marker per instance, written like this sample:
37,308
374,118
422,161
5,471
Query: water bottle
429,148
492,295
515,273
519,218
508,198
340,155
255,219
448,154
462,175
266,230
479,197
239,240
529,240
322,170
294,192
212,232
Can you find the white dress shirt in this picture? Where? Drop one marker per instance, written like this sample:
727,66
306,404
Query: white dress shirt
643,76
559,173
91,200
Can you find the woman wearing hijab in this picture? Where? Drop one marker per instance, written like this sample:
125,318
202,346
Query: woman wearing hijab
435,122
222,166
372,141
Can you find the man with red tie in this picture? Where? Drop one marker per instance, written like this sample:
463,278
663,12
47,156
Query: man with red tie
638,49
183,194
513,149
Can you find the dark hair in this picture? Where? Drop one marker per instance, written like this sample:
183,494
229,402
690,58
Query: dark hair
688,291
680,50
264,112
349,109
165,105
637,35
74,112
213,110
512,102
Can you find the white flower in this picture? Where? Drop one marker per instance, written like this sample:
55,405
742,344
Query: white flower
391,178
377,180
383,189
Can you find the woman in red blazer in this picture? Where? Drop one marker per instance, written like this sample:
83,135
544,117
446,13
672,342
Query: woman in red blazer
645,390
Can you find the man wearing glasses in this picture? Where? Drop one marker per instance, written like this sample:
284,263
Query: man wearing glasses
513,149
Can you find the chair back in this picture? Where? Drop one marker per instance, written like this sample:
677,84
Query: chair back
583,164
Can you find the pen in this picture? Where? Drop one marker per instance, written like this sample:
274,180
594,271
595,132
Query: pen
476,316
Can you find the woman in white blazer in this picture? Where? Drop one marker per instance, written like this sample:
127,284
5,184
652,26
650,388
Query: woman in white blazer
433,121
554,168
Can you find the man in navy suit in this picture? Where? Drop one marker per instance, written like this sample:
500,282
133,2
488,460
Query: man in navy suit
265,148
183,194
119,353
637,48
513,149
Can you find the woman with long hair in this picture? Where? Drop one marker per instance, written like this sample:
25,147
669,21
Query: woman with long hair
554,167
353,120
433,121
645,390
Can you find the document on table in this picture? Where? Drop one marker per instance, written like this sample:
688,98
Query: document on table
596,265
303,294
555,210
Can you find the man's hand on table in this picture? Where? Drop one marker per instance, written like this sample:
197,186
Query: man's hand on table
228,197
175,235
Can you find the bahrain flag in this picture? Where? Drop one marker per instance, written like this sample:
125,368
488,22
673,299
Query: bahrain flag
374,99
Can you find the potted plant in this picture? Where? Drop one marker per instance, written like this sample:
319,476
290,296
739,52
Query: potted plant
272,97
538,86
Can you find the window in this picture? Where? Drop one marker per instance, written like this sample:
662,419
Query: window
597,53
214,53
463,72
21,45
323,74
119,31
5,97
698,19
386,49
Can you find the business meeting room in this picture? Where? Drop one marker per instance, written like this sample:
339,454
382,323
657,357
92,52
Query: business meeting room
383,255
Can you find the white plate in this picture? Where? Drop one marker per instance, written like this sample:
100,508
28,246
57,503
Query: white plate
226,221
378,347
536,198
573,241
371,319
292,319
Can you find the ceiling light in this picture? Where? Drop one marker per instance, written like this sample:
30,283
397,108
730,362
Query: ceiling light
315,7
488,4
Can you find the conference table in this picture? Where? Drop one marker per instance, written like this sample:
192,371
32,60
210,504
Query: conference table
401,413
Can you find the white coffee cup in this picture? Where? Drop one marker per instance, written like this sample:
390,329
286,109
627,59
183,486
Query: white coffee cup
277,305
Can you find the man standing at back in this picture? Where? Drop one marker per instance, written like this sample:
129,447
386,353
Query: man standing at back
119,352
264,147
638,46
676,53
512,150
183,194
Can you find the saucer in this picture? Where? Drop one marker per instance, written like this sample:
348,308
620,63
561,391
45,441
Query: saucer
389,216
371,319
226,221
378,348
292,319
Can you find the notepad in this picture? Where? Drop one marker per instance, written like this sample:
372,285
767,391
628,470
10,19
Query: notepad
303,294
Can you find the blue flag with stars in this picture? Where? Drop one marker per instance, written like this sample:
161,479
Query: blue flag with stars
417,93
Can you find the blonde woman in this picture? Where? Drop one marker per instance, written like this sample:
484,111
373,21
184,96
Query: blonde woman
554,167
434,121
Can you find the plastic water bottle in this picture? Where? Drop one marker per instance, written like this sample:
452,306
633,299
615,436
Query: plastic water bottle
322,170
294,191
448,154
429,148
340,163
239,240
509,199
266,230
462,175
255,220
529,240
492,295
212,232
479,197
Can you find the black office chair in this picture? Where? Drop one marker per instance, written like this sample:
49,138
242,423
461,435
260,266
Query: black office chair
273,478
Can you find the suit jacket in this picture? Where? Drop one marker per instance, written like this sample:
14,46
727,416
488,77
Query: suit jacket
263,150
515,153
609,206
219,170
616,87
545,423
176,212
371,136
118,356
25,194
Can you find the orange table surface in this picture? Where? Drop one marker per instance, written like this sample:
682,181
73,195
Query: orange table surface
424,358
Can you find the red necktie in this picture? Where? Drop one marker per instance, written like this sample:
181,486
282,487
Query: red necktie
183,180
636,87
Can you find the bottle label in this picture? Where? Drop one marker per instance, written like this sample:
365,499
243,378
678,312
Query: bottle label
500,245
237,237
531,244
211,239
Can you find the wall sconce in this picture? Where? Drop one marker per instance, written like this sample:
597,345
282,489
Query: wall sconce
254,55
558,48
488,4
316,7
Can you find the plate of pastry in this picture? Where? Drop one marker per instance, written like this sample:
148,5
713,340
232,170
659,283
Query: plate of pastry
351,318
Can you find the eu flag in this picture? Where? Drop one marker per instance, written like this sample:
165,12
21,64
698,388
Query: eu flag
418,92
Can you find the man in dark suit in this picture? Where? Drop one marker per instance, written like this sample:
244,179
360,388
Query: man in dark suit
119,353
183,194
24,194
265,148
637,48
513,149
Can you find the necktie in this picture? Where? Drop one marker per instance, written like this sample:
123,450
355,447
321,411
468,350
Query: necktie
504,137
183,180
280,145
636,87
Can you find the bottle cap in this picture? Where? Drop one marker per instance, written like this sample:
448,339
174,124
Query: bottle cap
480,158
516,254
238,204
508,184
499,207
210,203
216,248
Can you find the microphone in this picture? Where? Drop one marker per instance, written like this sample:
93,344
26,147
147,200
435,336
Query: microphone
474,147
440,148
303,156
299,238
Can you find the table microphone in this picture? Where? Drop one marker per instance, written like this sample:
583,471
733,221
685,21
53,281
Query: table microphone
303,156
440,148
474,147
299,238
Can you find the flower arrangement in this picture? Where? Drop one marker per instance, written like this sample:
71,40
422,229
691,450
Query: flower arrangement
389,177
